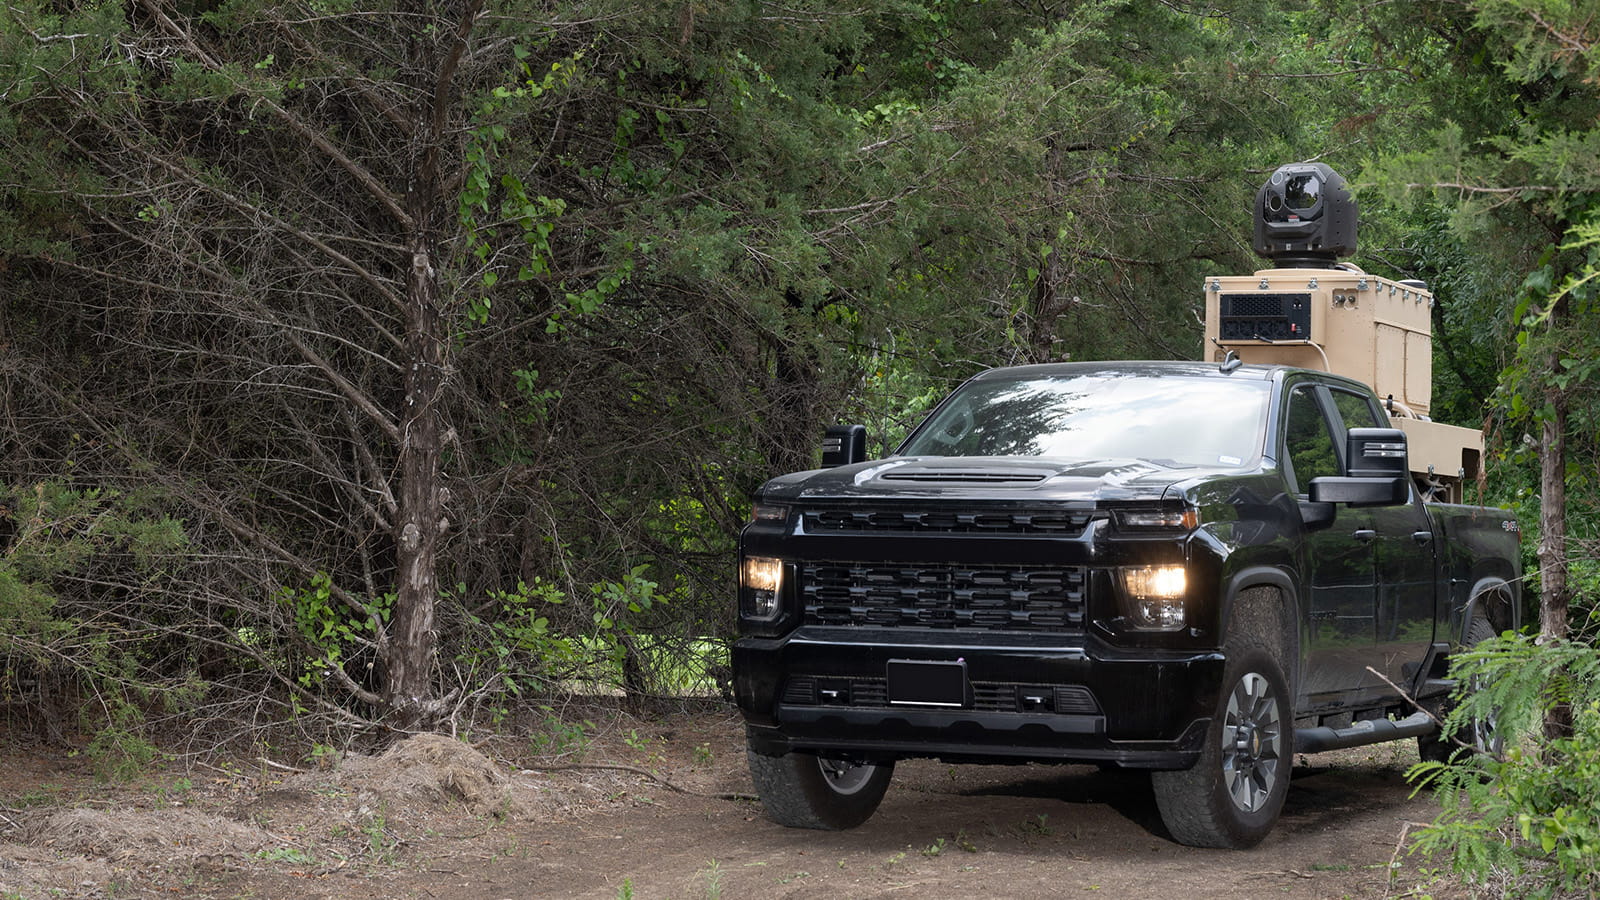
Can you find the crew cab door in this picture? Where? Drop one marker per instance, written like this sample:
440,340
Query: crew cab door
1341,561
1406,568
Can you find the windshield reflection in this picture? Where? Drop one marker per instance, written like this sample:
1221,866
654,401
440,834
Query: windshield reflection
1172,420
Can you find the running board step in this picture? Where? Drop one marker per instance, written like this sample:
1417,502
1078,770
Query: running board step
1367,731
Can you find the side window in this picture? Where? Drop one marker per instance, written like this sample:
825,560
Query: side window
1356,410
1307,442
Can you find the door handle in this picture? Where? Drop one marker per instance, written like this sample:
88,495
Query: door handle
1365,535
1422,537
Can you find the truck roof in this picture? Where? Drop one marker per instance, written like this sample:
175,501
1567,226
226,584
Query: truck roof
1188,368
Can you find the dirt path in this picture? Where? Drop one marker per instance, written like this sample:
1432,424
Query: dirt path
942,832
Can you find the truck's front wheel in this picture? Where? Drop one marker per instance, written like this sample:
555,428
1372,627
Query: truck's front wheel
802,790
1232,795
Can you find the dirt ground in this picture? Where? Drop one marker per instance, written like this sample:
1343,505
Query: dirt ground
658,808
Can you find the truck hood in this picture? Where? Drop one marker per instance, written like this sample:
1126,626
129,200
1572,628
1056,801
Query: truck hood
989,478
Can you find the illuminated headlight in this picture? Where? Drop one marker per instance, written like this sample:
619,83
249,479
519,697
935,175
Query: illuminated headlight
761,583
1154,597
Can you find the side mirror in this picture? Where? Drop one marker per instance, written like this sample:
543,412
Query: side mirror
843,445
1376,453
1377,471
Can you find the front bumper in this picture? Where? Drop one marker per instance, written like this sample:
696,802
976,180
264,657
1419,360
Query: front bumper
1031,697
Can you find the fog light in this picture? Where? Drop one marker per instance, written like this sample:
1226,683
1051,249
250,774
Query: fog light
762,580
1155,596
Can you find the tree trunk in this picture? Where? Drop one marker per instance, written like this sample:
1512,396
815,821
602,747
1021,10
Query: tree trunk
1046,306
793,433
1555,602
1555,595
418,526
1046,309
420,520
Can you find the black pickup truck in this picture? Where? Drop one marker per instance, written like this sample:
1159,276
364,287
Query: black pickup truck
1190,568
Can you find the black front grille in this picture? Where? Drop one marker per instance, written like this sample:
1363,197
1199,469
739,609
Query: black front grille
944,595
868,521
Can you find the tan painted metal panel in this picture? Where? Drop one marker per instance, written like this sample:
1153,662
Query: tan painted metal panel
1369,328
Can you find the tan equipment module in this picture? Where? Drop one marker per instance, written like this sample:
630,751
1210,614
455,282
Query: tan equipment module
1316,312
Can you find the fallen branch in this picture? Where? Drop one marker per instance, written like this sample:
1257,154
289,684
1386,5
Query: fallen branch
277,765
1427,712
1394,858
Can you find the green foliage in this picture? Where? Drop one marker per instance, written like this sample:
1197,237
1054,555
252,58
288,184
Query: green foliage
557,737
69,559
292,855
381,845
532,216
332,628
713,879
58,529
1527,818
513,645
674,241
535,640
1498,100
892,399
1555,359
119,751
1556,351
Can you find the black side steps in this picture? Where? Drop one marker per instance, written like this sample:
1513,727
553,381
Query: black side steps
1366,731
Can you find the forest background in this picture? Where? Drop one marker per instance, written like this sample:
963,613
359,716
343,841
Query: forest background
373,366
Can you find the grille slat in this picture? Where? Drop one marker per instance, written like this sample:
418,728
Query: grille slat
941,595
988,696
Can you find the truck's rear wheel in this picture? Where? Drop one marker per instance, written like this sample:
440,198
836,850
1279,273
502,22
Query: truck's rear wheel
1232,795
1480,734
802,790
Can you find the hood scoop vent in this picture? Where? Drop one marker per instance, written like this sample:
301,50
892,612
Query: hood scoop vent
964,476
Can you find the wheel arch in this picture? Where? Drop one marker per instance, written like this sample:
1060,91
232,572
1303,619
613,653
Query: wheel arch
1291,624
1495,595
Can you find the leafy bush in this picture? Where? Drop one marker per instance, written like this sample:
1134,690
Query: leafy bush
1525,819
538,639
77,566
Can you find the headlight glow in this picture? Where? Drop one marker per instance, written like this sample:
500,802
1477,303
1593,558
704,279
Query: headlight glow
1155,597
1157,582
761,577
763,573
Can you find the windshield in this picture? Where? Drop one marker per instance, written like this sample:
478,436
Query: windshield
1170,419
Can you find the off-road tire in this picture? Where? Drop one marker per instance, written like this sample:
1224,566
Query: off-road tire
801,790
1479,735
1232,795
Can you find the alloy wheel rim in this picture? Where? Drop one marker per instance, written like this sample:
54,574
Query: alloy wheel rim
1252,743
845,777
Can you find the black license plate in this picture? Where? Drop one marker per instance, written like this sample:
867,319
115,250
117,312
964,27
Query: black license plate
923,683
